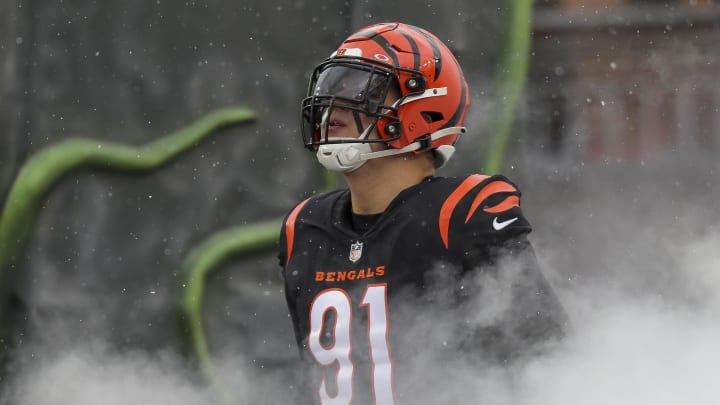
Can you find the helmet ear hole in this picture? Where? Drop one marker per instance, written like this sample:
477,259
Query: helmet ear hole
432,116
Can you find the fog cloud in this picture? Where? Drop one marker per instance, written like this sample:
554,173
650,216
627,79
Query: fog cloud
631,342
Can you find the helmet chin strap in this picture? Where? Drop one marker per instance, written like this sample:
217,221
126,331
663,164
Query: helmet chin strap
346,157
343,157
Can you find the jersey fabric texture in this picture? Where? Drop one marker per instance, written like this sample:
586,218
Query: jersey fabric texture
446,270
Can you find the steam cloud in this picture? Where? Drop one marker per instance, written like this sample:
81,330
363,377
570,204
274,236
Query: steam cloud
631,343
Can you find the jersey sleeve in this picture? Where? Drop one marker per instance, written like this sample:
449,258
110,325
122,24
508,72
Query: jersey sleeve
497,252
481,210
282,246
494,211
530,314
287,234
286,243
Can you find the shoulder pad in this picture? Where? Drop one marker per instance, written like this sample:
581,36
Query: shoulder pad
494,196
289,229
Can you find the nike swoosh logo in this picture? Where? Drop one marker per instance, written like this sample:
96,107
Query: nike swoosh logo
501,225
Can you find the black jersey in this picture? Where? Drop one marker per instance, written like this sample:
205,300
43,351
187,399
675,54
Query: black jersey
358,300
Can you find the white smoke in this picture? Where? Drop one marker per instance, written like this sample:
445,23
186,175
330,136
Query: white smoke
95,374
630,351
639,335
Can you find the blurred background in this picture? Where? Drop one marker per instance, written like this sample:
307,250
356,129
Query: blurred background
615,144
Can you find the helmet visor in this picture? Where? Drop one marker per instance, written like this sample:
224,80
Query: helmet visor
353,84
359,87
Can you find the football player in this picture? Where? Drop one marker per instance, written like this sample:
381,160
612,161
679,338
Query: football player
404,265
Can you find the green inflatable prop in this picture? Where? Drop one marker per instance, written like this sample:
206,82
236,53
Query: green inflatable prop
202,260
510,79
44,168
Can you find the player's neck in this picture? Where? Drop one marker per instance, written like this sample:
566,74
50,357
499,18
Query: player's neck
378,182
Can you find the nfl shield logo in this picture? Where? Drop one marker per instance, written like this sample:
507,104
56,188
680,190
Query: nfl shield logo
355,251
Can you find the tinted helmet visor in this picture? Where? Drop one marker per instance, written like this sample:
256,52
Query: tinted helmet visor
358,87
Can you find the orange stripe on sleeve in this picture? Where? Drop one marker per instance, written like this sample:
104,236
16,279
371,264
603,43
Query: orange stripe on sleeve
452,201
506,204
290,228
487,191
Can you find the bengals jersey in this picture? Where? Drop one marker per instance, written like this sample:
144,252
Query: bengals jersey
446,270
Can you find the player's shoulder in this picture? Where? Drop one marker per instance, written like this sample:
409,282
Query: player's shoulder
315,206
309,212
478,190
481,204
486,194
472,185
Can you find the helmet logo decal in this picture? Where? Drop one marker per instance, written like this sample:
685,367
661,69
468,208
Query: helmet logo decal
348,52
382,58
355,251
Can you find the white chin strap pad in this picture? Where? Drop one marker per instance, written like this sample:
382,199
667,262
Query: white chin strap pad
343,157
442,154
346,157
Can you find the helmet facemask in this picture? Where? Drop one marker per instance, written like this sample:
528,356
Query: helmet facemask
354,86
